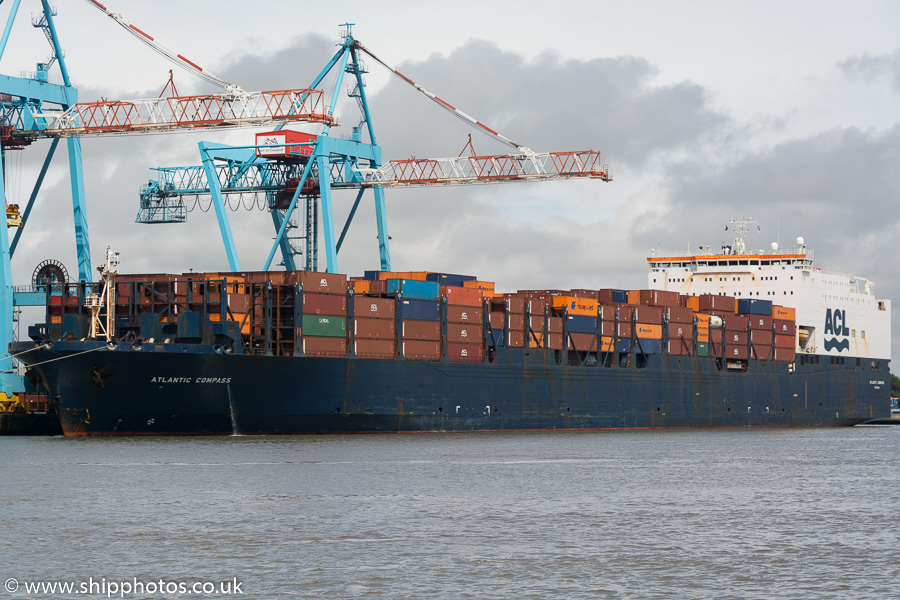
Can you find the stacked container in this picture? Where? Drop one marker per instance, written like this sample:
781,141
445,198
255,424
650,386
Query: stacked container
374,330
465,331
419,317
323,312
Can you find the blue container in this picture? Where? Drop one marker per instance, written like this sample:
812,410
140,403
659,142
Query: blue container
752,306
410,288
623,345
449,278
582,324
620,296
371,275
420,310
647,346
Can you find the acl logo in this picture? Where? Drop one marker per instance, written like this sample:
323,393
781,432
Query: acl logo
836,324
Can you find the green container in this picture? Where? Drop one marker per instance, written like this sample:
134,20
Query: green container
702,349
324,326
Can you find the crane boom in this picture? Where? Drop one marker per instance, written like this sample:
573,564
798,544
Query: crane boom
246,109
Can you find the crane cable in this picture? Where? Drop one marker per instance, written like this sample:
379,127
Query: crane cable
167,52
446,106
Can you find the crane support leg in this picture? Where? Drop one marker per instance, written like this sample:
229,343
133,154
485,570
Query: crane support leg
349,219
286,251
82,239
384,248
287,215
327,214
9,24
10,383
34,193
218,202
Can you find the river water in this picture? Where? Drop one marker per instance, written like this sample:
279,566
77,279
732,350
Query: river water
804,513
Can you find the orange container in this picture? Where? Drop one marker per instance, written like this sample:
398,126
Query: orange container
783,313
480,285
462,296
648,331
576,306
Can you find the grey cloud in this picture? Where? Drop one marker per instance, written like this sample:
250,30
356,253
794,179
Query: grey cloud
872,66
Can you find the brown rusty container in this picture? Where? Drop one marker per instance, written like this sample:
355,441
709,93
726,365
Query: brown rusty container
736,338
760,322
462,352
761,351
625,312
784,354
462,296
708,302
784,327
624,330
679,314
582,293
464,314
676,347
785,342
736,322
325,346
715,336
681,330
537,307
648,314
761,337
374,329
421,350
421,330
738,352
607,328
324,304
516,339
517,322
536,323
497,319
463,333
653,298
381,349
374,308
556,326
583,342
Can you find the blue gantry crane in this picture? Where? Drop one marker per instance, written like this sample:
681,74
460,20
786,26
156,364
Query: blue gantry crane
313,168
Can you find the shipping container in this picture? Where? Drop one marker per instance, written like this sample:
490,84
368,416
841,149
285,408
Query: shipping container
581,324
648,331
761,337
621,345
536,323
736,337
648,314
647,346
412,289
334,347
516,339
484,286
462,296
421,330
784,354
784,313
784,327
421,350
375,348
324,326
760,322
464,314
737,352
556,325
708,302
366,328
702,349
583,342
575,306
692,302
361,287
374,308
623,330
761,351
459,332
736,323
653,297
421,310
678,314
324,304
681,330
463,352
785,342
450,278
754,306
316,282
497,319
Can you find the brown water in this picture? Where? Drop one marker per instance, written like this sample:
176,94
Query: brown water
691,514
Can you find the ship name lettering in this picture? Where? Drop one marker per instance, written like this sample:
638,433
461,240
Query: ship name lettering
875,382
171,380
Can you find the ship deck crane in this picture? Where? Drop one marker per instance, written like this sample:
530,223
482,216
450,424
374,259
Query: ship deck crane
349,164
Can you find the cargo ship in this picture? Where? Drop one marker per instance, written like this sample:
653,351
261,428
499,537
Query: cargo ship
719,339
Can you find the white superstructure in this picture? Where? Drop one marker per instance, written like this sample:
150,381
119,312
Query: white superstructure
838,314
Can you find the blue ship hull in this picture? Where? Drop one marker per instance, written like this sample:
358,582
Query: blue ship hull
181,389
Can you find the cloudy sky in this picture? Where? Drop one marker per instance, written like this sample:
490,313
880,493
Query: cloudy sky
704,111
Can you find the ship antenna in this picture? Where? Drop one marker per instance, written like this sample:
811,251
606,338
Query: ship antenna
741,225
